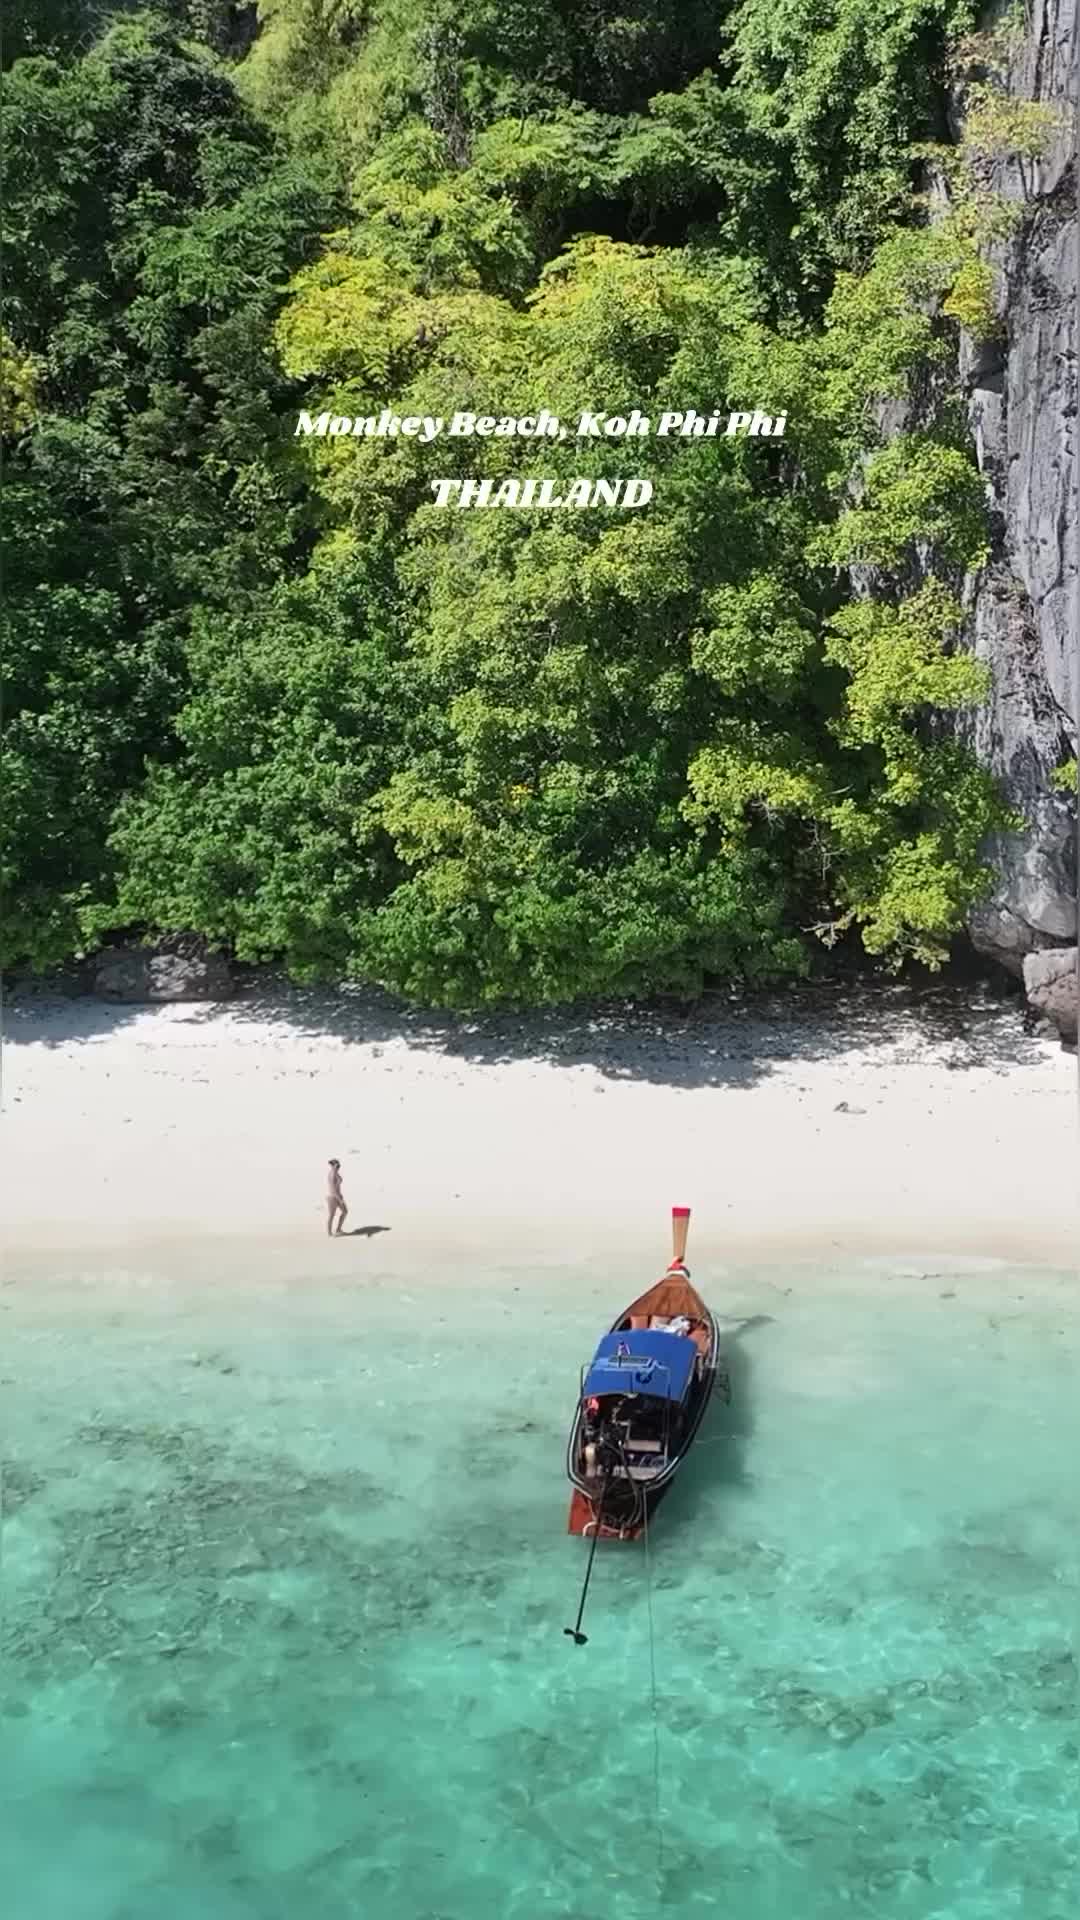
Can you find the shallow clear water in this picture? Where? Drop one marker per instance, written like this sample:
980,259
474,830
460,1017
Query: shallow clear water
286,1575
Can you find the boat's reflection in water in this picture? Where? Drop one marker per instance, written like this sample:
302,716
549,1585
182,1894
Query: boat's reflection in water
721,1458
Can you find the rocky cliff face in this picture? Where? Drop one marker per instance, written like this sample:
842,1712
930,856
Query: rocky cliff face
1024,606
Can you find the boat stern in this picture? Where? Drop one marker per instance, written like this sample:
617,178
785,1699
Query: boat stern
582,1520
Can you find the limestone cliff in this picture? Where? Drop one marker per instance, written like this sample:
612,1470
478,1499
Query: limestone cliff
1024,609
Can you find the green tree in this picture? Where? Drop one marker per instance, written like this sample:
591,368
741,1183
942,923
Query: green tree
149,231
263,689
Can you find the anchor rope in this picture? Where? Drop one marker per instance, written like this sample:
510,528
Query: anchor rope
655,1714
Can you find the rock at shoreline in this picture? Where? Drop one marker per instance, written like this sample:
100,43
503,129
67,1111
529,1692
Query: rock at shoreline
1022,604
1022,415
176,968
1050,981
1001,935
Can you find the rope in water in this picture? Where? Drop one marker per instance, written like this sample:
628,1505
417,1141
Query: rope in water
655,1715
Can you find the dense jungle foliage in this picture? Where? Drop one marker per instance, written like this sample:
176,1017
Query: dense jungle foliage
259,687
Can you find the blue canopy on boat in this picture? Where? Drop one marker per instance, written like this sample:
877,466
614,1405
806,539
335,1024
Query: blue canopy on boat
660,1364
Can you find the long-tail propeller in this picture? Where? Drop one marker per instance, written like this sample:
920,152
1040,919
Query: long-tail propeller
575,1634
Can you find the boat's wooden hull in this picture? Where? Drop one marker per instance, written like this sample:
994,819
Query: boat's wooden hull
583,1517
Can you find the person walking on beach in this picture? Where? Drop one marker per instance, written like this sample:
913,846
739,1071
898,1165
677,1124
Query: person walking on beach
335,1199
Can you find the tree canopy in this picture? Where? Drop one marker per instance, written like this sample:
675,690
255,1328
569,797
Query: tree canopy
261,688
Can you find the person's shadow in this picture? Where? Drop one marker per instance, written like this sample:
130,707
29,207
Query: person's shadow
360,1233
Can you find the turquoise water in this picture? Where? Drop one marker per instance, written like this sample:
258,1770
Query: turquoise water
286,1574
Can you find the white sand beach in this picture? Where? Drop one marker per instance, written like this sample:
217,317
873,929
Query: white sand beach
889,1122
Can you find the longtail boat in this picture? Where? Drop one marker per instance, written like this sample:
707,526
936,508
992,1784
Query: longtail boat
643,1398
